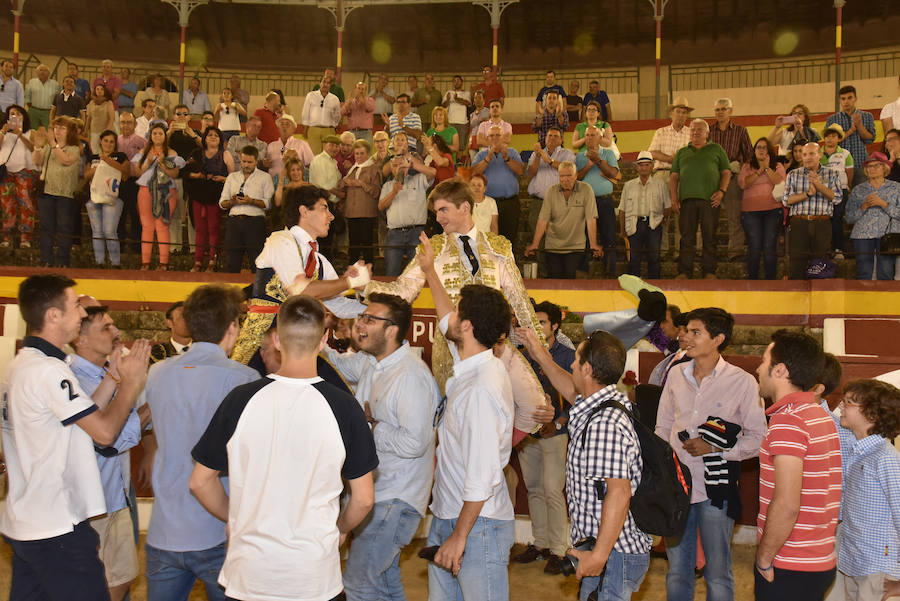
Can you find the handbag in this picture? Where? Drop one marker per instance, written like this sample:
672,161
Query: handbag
42,178
3,166
889,243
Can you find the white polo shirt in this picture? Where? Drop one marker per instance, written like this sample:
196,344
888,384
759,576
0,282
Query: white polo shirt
258,185
54,481
285,443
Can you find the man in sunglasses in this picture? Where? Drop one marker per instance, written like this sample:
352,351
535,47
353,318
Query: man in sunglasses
321,114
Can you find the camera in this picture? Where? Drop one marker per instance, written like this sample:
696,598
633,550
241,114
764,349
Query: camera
570,563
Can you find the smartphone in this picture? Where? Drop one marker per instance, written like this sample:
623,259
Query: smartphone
789,120
15,122
179,125
429,552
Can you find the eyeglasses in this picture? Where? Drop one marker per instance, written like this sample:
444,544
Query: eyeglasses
439,412
181,114
369,319
849,401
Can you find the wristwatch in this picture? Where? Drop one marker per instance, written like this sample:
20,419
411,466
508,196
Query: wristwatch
558,425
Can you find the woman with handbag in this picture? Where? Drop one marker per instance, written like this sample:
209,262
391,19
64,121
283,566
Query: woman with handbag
156,168
17,175
874,211
106,171
60,158
209,166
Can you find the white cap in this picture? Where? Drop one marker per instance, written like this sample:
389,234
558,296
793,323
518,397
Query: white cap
644,156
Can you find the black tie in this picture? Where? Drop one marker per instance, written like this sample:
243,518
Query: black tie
473,260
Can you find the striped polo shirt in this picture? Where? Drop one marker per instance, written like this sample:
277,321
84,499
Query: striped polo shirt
799,427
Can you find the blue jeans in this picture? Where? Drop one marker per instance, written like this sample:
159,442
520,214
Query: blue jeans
715,532
171,574
401,248
645,246
483,575
623,577
761,229
105,229
868,259
372,572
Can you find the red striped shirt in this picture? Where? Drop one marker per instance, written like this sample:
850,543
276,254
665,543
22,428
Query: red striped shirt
799,427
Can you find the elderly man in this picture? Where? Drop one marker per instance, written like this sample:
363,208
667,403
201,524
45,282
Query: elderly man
240,95
666,142
432,98
404,199
502,166
735,141
109,80
384,98
267,114
345,158
321,114
598,167
359,110
810,193
567,210
284,143
131,143
697,185
195,99
552,114
644,205
406,121
11,91
543,170
457,102
335,88
67,103
250,137
39,94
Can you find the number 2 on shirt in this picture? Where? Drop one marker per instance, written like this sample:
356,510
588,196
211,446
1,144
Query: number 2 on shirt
67,386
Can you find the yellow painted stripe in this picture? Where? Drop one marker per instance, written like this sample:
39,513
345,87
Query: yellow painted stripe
658,48
140,291
494,55
16,42
340,54
181,55
837,36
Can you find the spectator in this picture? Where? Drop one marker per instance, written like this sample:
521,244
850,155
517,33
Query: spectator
381,155
211,166
284,143
495,119
457,102
552,114
592,119
678,322
344,157
184,541
184,140
439,156
109,80
250,137
700,177
207,119
17,144
148,115
502,166
360,189
858,126
791,129
597,167
795,158
60,160
156,169
405,121
568,211
489,85
11,91
595,94
335,89
228,113
128,92
872,208
268,113
400,396
480,113
158,93
67,103
101,116
841,161
762,213
432,99
196,99
892,150
644,206
810,193
484,209
308,493
890,113
384,98
543,170
321,114
360,112
131,144
441,127
735,141
665,143
180,337
693,394
82,86
323,169
39,95
106,170
573,101
404,200
416,98
799,475
869,420
291,176
54,480
240,95
550,85
245,196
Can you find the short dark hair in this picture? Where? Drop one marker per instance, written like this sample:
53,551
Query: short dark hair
92,313
172,307
550,71
893,130
801,354
831,374
38,293
250,151
554,314
403,95
147,101
716,321
674,312
488,312
847,90
181,106
302,196
605,354
554,128
399,311
301,324
210,309
879,403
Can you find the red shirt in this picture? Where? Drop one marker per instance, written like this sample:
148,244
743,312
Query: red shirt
799,427
269,131
445,172
492,91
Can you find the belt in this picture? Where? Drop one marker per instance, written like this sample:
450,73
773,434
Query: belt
811,217
406,228
246,216
643,218
664,169
604,196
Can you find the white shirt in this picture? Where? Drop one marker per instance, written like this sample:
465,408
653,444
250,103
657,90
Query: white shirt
473,244
410,204
475,438
281,254
456,112
324,172
229,118
54,481
482,213
142,126
276,151
14,154
403,396
892,110
258,185
321,111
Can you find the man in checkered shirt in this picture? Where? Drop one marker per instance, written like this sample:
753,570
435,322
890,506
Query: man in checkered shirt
603,467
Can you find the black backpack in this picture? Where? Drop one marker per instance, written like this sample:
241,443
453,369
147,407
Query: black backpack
661,503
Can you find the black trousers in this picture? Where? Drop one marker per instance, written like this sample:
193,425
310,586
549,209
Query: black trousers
57,217
793,585
243,234
562,265
808,240
697,212
508,210
130,221
361,232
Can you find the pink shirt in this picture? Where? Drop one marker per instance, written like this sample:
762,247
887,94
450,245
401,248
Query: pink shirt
360,113
758,195
277,148
131,145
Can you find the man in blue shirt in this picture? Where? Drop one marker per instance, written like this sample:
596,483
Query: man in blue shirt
502,166
595,94
184,541
11,90
598,167
859,129
82,86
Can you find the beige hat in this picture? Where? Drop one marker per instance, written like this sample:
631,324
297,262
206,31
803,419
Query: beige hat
644,156
682,102
286,117
836,128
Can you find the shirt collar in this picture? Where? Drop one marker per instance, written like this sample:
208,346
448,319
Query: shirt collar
80,363
179,348
795,398
38,343
301,236
585,405
867,445
205,348
394,358
473,362
472,234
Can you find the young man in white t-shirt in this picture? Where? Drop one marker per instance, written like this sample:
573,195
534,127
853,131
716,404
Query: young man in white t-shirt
286,441
54,481
890,114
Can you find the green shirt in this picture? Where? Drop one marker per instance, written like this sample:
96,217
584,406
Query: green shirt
699,170
432,99
447,134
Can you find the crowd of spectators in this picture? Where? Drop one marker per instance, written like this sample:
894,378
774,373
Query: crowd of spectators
771,194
